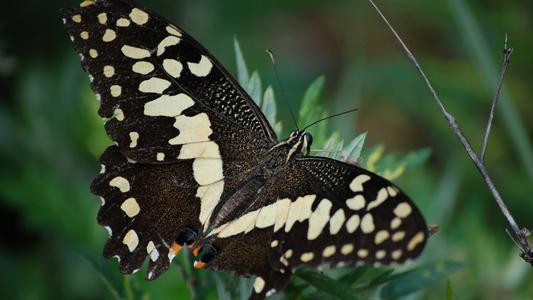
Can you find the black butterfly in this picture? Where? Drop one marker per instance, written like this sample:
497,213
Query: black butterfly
196,164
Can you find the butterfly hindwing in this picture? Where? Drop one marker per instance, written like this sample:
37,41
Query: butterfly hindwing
355,216
144,208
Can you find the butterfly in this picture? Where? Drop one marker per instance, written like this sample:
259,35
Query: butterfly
196,164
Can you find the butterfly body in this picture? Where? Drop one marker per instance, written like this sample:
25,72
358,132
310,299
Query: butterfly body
196,164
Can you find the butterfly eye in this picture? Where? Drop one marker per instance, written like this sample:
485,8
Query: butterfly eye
308,139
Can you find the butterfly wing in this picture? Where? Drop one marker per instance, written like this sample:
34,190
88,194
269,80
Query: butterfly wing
181,124
355,216
163,96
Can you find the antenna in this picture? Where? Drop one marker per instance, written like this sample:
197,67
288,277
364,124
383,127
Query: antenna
283,95
329,117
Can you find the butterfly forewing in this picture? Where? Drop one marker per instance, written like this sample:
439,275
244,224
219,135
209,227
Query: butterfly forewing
164,97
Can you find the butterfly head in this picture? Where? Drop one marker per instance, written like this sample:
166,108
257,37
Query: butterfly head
299,141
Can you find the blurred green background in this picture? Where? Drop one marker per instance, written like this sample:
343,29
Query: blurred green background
51,136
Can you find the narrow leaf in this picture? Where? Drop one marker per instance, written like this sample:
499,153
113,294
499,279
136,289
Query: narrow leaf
328,285
309,110
242,71
353,150
418,279
254,88
269,105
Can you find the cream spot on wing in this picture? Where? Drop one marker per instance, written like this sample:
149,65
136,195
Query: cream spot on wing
131,240
134,137
86,3
123,22
207,170
160,156
98,97
167,42
318,219
307,257
102,169
93,53
402,210
267,216
356,203
202,68
367,224
173,67
362,253
76,18
142,67
109,71
154,85
170,29
336,221
300,210
102,201
381,254
288,253
381,236
398,236
353,223
138,16
259,284
396,254
199,150
329,251
130,207
209,196
84,35
119,114
381,197
121,183
242,224
274,244
392,191
168,106
357,183
282,211
109,35
347,249
415,241
395,223
116,90
192,129
102,18
134,52
109,231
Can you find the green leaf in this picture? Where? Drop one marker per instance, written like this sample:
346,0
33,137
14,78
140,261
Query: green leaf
419,278
269,105
353,150
416,158
242,71
309,110
449,291
254,88
328,285
354,275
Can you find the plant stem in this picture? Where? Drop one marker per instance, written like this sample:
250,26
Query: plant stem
521,235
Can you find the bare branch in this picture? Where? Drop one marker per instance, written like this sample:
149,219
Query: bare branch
520,234
506,58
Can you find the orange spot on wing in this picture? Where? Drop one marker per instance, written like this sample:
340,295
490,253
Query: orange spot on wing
176,247
199,265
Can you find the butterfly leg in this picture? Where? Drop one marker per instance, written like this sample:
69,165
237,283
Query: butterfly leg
268,284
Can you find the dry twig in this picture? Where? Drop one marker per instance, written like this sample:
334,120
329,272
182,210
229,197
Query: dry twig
521,235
